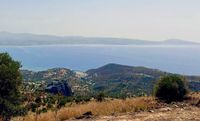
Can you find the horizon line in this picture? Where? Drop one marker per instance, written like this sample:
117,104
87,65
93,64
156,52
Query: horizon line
108,37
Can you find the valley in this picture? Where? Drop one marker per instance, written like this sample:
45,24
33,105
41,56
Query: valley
114,80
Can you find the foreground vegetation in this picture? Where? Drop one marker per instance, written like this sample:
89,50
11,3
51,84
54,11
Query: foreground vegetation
108,107
116,107
38,105
10,84
171,88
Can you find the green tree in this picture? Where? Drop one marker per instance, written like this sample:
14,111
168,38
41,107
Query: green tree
10,83
171,88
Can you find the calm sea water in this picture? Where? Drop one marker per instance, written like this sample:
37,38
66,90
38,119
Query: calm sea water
182,59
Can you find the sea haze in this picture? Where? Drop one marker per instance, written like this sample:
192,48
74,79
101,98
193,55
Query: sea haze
176,59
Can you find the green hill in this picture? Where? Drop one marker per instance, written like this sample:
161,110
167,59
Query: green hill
115,79
112,79
78,85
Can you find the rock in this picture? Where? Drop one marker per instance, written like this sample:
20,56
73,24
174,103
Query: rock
165,109
151,111
56,87
85,115
198,104
176,106
88,113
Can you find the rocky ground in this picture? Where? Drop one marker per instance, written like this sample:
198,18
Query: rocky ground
175,113
164,114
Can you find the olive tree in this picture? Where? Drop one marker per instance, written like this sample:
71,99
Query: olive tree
10,83
171,88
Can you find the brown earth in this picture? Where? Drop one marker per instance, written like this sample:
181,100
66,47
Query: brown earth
176,113
165,114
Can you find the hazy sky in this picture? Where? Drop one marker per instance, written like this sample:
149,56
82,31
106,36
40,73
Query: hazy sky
141,19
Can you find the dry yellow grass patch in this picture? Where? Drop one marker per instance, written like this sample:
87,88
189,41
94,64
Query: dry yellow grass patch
97,108
49,116
193,98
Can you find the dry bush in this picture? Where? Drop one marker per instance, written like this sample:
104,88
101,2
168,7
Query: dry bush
193,98
97,108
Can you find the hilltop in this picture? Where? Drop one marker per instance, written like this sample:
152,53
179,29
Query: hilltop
122,80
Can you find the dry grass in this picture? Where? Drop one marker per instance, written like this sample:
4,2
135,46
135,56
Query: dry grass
193,98
107,108
97,108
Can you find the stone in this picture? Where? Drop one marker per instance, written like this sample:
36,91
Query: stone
56,87
151,111
165,109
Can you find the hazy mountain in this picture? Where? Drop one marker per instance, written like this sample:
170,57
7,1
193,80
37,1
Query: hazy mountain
178,42
25,39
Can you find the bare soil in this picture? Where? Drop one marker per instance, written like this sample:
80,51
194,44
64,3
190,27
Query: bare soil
184,111
163,114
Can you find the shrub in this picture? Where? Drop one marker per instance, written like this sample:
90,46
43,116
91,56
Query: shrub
79,99
171,88
10,84
100,97
33,107
63,100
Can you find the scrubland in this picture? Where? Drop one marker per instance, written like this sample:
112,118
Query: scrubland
104,108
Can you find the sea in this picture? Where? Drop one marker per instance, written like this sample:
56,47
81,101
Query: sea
174,59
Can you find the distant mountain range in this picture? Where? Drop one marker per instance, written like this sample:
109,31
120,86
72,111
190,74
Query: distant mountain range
113,79
25,39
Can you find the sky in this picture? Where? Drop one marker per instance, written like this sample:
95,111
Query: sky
138,19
